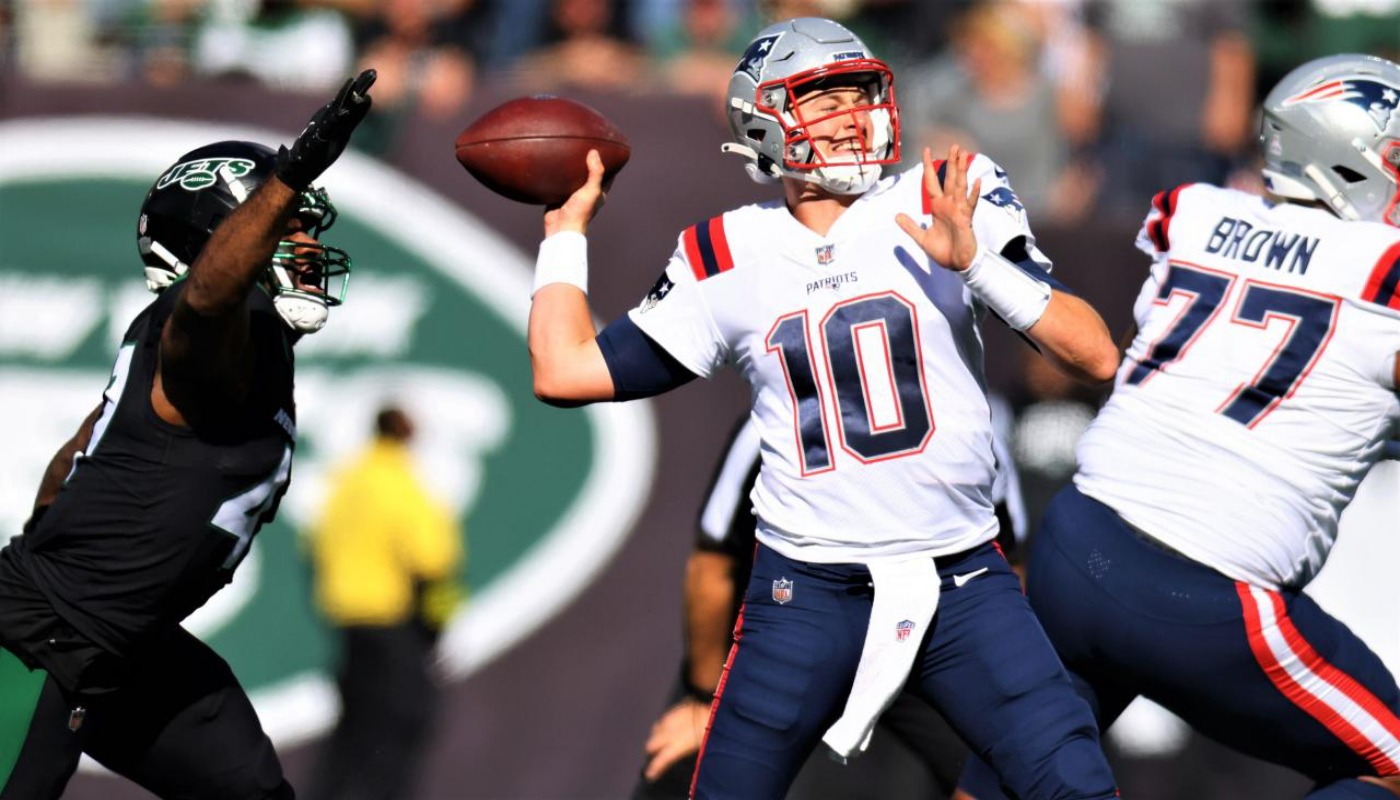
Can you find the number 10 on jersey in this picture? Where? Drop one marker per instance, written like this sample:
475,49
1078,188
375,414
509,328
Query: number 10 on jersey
875,388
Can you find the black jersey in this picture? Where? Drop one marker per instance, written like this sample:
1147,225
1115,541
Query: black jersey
154,517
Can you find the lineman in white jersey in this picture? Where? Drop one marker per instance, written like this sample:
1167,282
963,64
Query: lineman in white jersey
851,307
1260,389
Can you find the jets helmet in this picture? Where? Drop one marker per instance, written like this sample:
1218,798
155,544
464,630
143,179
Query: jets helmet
782,63
191,198
1331,133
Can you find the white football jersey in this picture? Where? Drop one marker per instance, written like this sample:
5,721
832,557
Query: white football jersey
1259,389
865,361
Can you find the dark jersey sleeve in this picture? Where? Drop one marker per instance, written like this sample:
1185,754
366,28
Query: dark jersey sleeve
1015,252
639,366
726,523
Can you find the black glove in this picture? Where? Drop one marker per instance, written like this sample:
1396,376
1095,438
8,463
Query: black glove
326,135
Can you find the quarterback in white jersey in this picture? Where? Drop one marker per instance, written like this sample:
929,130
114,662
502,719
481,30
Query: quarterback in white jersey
878,351
1258,392
850,305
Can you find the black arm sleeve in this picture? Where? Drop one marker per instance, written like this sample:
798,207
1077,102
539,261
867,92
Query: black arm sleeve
639,366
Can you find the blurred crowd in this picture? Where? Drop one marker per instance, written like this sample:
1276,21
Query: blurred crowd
1085,102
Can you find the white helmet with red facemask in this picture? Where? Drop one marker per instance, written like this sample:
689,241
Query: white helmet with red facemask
788,60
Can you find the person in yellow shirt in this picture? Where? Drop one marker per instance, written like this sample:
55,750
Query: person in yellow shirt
386,557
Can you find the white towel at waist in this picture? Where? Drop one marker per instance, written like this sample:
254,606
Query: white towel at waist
906,595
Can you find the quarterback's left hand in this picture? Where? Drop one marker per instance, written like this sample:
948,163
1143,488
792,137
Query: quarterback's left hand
949,239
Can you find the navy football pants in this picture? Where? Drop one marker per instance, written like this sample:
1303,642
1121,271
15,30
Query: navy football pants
985,665
1267,673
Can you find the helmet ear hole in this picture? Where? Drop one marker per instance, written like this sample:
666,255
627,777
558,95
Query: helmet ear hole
1348,174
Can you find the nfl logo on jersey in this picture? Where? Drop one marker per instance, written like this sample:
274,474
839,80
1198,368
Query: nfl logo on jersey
903,629
782,591
826,254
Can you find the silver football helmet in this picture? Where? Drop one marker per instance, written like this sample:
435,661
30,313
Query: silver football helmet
787,60
1331,133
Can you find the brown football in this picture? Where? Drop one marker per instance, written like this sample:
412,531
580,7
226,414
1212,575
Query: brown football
533,149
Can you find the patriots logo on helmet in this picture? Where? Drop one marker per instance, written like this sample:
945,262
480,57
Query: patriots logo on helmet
1005,198
1377,99
756,56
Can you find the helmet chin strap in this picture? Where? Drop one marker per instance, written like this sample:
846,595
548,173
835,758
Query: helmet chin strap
301,313
755,173
1331,194
846,178
837,178
158,278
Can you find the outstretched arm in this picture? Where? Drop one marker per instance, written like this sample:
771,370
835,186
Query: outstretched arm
1068,330
204,345
568,365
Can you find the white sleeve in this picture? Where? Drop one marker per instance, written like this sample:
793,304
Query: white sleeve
1145,241
1000,218
1154,237
675,315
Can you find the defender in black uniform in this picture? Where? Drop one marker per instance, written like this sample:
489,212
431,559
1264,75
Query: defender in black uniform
146,512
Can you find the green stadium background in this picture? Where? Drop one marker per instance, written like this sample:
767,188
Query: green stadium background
578,521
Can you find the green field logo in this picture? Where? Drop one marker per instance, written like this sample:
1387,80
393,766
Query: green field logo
435,319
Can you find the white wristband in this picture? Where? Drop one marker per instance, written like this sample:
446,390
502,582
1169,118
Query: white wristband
1017,297
563,258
